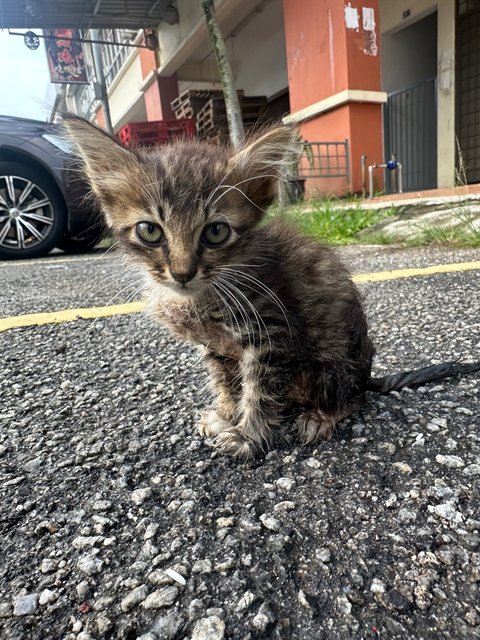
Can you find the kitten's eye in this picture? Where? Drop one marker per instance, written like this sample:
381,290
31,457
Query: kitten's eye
216,233
149,232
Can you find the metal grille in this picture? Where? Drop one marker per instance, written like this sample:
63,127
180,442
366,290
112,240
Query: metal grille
85,100
325,160
410,129
114,55
468,90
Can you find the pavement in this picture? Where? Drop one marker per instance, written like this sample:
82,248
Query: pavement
118,521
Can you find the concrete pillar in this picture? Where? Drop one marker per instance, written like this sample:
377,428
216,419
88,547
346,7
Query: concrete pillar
159,91
446,17
334,79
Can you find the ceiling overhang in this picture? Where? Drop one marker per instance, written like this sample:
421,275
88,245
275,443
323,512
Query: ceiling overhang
86,14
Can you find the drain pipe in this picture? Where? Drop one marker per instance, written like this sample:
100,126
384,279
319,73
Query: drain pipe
364,175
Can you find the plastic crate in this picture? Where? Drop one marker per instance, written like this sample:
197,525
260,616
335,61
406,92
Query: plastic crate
146,134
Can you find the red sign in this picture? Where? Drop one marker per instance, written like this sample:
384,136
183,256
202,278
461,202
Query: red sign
65,57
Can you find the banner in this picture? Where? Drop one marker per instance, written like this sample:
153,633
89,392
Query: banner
65,58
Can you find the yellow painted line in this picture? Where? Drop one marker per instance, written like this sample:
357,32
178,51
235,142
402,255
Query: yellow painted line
396,274
69,315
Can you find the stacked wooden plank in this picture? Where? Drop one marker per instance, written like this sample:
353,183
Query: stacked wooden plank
208,108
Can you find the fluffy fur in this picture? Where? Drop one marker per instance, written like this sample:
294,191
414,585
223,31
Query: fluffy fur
275,314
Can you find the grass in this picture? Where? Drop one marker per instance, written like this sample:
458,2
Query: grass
332,224
323,220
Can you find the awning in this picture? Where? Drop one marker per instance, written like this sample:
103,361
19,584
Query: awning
86,14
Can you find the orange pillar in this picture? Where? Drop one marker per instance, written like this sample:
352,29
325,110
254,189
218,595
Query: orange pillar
334,79
160,92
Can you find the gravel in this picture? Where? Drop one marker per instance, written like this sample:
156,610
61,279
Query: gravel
118,521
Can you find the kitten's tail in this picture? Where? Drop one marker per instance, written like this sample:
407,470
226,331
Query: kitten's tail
418,377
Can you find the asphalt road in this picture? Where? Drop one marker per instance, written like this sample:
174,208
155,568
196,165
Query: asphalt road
118,521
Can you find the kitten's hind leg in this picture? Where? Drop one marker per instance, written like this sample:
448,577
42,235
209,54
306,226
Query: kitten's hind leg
316,424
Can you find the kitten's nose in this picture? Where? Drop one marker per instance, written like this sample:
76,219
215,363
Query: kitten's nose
183,278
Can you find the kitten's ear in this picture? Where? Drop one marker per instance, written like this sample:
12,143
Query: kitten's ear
258,167
107,164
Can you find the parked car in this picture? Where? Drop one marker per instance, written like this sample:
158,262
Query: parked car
43,196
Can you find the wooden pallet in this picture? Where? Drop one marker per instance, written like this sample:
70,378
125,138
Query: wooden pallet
213,116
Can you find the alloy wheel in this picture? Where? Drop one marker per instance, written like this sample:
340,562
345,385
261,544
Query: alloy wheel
26,213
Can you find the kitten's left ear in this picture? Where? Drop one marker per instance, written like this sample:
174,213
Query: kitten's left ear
258,167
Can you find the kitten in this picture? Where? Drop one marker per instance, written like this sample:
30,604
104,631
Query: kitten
275,314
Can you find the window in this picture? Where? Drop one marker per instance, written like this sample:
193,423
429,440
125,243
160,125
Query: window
114,55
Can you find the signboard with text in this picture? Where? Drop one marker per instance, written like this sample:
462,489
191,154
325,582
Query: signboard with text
65,56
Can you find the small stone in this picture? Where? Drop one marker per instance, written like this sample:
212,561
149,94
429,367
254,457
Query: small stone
84,635
398,600
263,618
472,617
447,511
245,601
83,589
313,463
25,605
225,522
5,609
452,462
135,596
140,495
103,624
391,500
472,470
378,587
285,483
407,516
344,605
48,566
150,531
445,555
47,596
164,597
270,523
324,555
101,505
90,564
168,627
211,628
32,465
403,467
147,636
202,566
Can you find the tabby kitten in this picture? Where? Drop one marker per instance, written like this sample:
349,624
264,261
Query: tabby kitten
275,314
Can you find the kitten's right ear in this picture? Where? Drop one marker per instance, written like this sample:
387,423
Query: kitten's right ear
107,164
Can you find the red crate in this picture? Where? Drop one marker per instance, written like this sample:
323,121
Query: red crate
146,134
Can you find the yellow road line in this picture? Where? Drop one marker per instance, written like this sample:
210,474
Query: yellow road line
69,315
377,276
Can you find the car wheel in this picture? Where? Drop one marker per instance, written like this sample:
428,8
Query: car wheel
33,215
85,243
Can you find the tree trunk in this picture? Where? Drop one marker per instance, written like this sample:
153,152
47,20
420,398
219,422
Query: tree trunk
232,103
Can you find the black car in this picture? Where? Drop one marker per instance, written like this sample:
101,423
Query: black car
43,197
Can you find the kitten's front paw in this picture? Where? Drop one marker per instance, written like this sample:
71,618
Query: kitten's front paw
211,424
314,425
234,444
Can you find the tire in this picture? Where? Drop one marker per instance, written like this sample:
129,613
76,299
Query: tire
77,245
33,214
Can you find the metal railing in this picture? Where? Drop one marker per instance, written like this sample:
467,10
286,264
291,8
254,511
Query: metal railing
85,100
114,55
325,160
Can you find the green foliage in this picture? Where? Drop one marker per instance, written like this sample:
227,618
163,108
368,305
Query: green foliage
332,224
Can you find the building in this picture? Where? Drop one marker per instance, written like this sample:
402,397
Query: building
389,77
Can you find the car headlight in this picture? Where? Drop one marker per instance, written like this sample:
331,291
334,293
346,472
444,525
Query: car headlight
58,142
